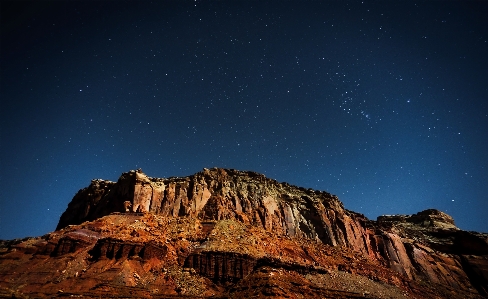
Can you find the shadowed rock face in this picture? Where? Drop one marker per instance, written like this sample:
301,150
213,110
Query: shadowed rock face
230,233
221,266
119,249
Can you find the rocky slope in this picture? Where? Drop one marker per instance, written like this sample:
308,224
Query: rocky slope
233,234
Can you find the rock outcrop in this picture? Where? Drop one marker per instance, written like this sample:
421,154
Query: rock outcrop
221,266
218,194
229,233
119,249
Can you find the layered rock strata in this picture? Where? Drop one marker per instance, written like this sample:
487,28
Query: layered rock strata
222,231
218,194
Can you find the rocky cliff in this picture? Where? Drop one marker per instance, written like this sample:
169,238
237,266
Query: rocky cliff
218,194
233,234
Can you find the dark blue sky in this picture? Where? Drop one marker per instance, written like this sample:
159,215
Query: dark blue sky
382,103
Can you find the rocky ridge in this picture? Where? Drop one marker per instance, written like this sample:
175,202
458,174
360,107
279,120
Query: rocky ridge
235,234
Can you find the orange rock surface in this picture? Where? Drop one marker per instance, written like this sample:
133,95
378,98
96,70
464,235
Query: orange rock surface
225,233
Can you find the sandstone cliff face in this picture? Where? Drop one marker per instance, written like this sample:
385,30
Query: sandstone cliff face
217,194
428,246
239,234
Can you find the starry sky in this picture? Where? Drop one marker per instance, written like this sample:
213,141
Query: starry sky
381,103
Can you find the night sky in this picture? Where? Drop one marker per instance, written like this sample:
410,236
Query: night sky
384,104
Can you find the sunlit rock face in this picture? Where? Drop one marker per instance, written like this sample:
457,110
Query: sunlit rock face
218,194
236,234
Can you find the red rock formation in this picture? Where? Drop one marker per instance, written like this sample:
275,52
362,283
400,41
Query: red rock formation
238,234
119,249
221,266
217,194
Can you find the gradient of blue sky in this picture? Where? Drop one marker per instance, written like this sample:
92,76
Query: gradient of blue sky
382,103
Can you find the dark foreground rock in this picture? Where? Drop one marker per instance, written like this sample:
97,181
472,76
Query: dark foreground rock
232,234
